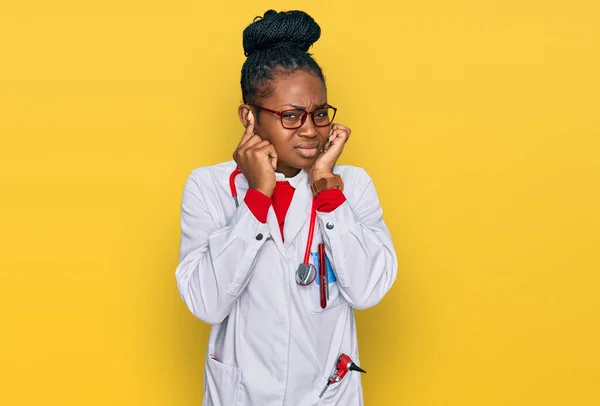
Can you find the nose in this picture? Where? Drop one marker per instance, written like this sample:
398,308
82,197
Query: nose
308,129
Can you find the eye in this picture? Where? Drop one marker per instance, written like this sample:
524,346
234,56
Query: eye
292,115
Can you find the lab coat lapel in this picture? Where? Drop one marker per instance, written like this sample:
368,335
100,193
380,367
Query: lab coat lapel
298,213
273,224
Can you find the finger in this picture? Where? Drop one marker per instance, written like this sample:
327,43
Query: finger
339,127
269,151
249,132
327,142
243,149
255,148
274,157
332,137
251,142
260,144
340,136
336,145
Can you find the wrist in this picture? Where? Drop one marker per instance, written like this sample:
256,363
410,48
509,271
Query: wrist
258,204
326,182
264,190
315,176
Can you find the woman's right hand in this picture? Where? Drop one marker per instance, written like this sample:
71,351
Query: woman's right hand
257,159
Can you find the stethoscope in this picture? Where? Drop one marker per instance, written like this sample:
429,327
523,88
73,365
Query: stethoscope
306,272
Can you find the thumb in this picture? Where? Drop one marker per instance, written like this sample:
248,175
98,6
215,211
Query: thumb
272,157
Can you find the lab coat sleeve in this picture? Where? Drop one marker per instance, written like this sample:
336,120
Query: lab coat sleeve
216,260
359,246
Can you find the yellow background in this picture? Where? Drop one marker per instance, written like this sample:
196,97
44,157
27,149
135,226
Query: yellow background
478,121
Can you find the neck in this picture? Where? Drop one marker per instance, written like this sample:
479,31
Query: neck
287,171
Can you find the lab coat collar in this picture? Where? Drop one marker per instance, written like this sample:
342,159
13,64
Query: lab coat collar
294,181
300,205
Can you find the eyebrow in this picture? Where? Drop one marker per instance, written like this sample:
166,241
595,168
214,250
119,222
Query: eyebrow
304,108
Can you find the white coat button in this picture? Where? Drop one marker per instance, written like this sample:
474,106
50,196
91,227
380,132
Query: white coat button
329,226
259,236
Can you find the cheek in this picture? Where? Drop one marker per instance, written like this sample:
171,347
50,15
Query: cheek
264,131
324,134
279,137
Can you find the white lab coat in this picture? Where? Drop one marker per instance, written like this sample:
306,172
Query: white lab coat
273,343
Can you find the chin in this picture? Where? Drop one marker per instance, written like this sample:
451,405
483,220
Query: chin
297,164
305,163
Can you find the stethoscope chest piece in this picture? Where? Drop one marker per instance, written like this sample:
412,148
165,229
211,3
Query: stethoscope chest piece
306,274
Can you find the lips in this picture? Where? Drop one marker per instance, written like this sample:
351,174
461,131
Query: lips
308,150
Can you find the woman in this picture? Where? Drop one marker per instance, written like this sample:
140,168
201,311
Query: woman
252,267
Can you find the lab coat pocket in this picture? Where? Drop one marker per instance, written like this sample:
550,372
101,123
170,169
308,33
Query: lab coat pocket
222,384
311,294
346,392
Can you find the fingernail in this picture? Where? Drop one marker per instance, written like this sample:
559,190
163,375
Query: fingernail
250,115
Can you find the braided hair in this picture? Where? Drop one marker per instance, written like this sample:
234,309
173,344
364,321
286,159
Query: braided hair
275,45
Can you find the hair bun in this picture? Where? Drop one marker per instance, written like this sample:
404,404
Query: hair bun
285,29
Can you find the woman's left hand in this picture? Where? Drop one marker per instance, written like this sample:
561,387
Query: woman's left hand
323,166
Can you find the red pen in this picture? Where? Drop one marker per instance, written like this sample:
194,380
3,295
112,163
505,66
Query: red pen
323,276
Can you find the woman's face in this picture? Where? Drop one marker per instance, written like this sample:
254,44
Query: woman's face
298,148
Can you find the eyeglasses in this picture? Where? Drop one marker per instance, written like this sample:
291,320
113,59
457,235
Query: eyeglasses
295,118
